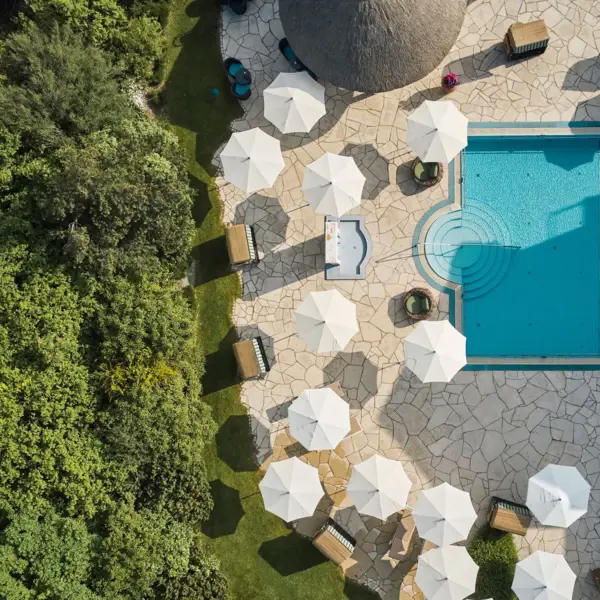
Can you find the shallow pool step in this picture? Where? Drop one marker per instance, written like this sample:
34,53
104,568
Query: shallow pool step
468,247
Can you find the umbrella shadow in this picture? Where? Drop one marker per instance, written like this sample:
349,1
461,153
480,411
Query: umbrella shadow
479,65
235,443
284,267
227,511
290,554
372,165
405,179
268,218
356,374
583,76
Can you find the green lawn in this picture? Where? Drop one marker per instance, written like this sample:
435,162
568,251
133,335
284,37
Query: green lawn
262,558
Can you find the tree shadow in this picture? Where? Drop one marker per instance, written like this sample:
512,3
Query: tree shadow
227,511
291,554
356,591
583,76
197,70
357,375
220,368
235,444
284,267
210,261
267,216
372,165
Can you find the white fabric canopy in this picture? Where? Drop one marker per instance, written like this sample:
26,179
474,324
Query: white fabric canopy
379,487
447,573
294,102
319,419
435,351
291,489
543,576
326,321
252,160
333,184
437,131
444,514
558,495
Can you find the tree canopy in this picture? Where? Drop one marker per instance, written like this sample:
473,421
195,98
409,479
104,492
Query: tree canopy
102,479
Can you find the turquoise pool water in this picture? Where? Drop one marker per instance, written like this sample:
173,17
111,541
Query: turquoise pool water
526,246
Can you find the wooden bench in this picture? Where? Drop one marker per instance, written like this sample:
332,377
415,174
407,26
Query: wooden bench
526,39
508,516
251,358
241,245
335,543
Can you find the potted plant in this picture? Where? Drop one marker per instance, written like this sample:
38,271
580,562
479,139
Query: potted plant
449,82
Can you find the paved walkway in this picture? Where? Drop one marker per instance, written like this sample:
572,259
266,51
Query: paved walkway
485,432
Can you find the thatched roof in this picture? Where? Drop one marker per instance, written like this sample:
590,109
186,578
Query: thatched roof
372,45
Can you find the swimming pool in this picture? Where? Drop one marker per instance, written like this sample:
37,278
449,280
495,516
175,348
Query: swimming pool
525,246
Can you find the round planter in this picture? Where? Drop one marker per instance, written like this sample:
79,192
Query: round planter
432,180
416,302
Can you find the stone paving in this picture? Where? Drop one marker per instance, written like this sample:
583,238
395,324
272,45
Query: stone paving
485,432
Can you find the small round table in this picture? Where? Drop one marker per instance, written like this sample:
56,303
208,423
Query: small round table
243,77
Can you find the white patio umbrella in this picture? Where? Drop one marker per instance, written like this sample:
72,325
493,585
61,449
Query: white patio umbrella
294,102
437,131
435,351
379,487
252,160
447,573
543,576
444,514
333,184
291,489
558,495
326,321
319,419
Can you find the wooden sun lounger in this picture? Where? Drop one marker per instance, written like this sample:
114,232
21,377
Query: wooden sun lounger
509,516
335,543
251,358
526,39
241,245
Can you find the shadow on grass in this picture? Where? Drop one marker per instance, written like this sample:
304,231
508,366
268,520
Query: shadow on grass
355,591
235,444
291,554
210,261
226,513
220,369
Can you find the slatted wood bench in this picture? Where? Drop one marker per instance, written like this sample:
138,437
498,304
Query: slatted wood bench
251,358
526,39
241,245
508,516
335,543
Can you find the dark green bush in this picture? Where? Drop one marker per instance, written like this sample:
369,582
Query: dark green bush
496,554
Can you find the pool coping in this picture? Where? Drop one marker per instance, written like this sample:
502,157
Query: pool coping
454,202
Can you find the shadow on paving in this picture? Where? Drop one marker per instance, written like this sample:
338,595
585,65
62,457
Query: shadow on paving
235,444
226,513
291,554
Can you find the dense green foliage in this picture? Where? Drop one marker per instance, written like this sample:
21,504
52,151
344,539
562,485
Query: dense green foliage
102,479
130,31
496,554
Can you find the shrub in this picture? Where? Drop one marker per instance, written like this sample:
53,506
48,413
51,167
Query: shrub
496,554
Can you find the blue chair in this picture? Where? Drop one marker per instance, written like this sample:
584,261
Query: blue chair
239,77
290,56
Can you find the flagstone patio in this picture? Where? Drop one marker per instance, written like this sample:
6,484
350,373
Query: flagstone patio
486,432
